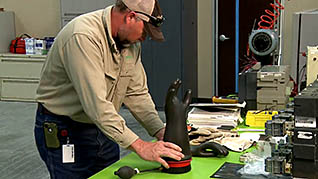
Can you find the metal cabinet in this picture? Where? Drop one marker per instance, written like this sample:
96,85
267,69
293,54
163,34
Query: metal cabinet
7,34
304,31
73,8
19,76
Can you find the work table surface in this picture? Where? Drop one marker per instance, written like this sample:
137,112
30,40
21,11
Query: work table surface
202,167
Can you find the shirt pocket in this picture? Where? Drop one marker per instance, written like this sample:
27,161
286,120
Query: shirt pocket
127,69
126,74
110,80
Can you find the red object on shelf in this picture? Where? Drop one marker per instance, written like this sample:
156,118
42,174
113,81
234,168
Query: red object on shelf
17,46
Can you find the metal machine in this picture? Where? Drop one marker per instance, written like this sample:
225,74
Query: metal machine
263,42
298,155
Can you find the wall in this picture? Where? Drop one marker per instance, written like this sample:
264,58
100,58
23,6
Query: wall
38,18
205,75
292,6
41,18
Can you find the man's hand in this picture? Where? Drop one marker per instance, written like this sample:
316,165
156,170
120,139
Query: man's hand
154,151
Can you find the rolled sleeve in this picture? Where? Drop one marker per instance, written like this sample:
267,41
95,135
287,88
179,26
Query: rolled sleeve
83,62
125,138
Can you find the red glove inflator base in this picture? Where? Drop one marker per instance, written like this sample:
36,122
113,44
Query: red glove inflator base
176,167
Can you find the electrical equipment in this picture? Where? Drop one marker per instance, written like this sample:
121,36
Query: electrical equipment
273,88
259,118
248,87
299,152
263,42
312,64
306,107
280,125
280,161
304,28
305,144
306,129
266,88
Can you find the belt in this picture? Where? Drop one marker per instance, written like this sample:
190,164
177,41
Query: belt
43,110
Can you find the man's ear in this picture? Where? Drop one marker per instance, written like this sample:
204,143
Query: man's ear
130,16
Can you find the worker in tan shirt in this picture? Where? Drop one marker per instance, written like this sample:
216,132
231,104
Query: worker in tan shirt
93,67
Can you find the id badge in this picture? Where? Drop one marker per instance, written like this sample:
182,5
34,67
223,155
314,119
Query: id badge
68,153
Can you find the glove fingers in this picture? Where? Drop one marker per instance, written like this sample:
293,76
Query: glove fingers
204,150
187,98
173,89
217,148
224,151
177,84
200,151
208,154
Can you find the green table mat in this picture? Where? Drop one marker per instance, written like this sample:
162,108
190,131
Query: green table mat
202,167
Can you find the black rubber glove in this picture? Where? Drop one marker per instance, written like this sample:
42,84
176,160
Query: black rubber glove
208,149
176,115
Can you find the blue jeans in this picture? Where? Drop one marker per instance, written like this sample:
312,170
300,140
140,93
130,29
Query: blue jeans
93,150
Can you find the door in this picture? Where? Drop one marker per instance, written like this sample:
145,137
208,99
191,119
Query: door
225,47
234,21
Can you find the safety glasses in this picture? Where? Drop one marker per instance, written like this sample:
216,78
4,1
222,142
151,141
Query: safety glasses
155,21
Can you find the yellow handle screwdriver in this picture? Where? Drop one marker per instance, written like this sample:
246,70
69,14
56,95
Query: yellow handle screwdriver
216,99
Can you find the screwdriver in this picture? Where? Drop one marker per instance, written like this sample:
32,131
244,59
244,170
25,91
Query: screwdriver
226,100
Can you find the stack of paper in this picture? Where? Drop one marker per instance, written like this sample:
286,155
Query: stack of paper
214,115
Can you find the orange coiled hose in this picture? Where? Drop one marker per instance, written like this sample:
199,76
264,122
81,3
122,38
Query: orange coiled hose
268,21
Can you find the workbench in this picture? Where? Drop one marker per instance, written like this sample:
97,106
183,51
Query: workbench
202,167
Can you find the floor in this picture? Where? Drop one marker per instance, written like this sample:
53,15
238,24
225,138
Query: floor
19,158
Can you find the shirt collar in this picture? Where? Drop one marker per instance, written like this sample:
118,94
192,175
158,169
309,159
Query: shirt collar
110,38
107,17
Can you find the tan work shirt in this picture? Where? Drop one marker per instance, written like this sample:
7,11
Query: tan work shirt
86,78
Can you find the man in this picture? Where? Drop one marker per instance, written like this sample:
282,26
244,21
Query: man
92,68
